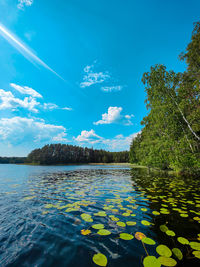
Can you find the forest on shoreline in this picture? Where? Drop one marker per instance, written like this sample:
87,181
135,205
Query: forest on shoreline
170,138
54,154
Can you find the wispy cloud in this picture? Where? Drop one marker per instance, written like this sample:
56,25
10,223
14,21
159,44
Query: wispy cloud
91,77
22,3
114,116
112,88
23,49
25,90
52,106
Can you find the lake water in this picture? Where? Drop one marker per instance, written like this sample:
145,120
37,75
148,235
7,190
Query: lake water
49,216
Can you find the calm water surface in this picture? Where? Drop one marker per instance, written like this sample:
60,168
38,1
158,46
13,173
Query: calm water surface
42,207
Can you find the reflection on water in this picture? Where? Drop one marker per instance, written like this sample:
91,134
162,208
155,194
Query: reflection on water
56,216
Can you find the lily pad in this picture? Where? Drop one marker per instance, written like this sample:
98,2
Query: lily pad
130,223
183,241
165,261
100,259
146,223
122,224
151,261
156,213
163,250
148,241
103,232
170,233
177,252
98,226
163,228
126,236
196,254
195,245
86,217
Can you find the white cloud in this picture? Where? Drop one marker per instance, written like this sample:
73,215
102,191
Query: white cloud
67,108
9,101
117,143
52,106
114,116
20,129
23,3
112,88
120,142
92,77
25,90
88,137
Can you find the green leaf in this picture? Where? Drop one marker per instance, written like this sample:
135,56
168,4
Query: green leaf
100,259
146,223
126,236
122,224
163,228
98,226
196,254
163,250
86,217
177,252
103,232
151,261
130,223
195,245
156,213
183,241
148,241
167,261
170,233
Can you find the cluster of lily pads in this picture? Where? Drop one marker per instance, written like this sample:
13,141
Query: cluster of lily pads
130,206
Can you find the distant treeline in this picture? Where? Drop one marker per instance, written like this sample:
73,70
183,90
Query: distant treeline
66,154
6,160
170,138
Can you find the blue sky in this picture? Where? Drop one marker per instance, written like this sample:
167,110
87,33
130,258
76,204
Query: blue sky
70,71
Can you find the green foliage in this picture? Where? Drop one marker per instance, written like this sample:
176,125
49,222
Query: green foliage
64,154
170,138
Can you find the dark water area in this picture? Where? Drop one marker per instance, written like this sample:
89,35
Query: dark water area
48,216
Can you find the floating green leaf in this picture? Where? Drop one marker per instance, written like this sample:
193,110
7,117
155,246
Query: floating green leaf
86,217
196,254
163,250
156,213
183,241
126,236
163,228
100,259
130,223
103,232
177,252
122,224
146,223
170,233
148,241
151,261
167,261
195,245
98,226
